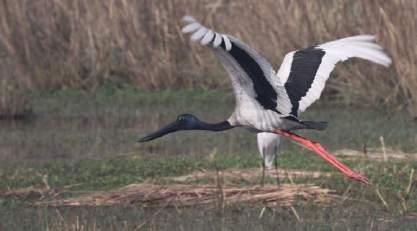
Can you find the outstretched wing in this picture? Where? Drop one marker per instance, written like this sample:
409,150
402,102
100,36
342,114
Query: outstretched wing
250,73
303,73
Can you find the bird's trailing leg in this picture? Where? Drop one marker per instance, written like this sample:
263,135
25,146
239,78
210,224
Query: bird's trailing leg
323,153
263,172
276,170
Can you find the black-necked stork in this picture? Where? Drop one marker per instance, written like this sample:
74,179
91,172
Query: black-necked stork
269,101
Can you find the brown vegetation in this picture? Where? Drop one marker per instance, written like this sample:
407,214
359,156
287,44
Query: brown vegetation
246,175
377,154
14,100
225,188
82,43
150,195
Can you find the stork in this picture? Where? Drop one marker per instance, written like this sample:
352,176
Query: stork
269,101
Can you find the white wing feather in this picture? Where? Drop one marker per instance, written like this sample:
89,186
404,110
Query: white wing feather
360,46
199,34
206,35
191,27
217,40
207,38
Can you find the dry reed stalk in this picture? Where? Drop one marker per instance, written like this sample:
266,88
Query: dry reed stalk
378,154
14,94
30,193
384,202
398,32
249,175
410,182
14,101
36,192
150,195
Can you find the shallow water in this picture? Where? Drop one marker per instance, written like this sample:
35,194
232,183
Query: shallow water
82,126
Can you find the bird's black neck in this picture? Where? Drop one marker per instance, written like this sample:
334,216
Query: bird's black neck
215,127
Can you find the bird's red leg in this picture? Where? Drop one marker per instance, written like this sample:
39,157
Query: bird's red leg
323,153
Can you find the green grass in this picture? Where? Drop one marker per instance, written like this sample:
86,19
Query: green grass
104,174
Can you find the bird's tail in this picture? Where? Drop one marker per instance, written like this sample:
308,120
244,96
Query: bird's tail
292,123
316,125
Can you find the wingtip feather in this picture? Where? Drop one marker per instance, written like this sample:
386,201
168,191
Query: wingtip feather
191,27
208,37
199,33
227,43
205,35
361,46
188,19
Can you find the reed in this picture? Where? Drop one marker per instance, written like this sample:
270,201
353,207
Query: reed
14,97
75,43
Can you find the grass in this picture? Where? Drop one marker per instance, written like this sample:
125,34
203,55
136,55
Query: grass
237,217
391,179
102,174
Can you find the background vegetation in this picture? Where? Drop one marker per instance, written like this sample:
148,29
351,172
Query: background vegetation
73,43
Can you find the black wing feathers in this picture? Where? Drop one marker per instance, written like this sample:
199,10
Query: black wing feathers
265,93
304,66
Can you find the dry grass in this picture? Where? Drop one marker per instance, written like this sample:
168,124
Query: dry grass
249,175
30,193
185,191
14,97
377,154
82,43
14,100
178,195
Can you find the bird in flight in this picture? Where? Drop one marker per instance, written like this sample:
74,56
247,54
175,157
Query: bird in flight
270,102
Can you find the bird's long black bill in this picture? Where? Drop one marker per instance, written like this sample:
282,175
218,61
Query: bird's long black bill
172,127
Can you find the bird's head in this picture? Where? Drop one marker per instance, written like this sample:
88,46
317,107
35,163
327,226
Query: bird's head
183,122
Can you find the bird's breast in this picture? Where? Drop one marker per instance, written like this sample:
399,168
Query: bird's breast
256,117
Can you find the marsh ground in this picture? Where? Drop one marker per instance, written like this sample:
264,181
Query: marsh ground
88,142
